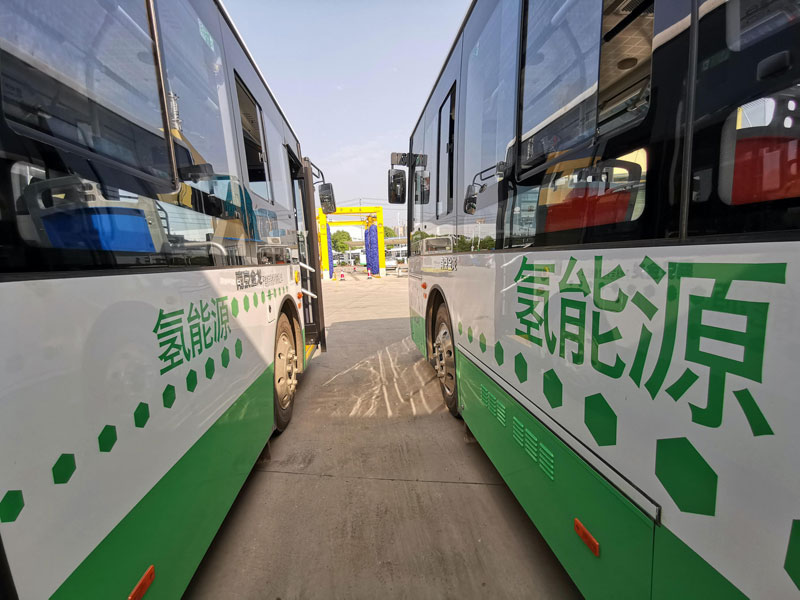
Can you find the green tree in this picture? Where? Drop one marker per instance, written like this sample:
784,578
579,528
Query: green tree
339,241
487,243
388,232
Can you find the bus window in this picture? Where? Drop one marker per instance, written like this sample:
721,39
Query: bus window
747,22
200,113
447,121
578,196
574,196
746,152
560,77
760,151
521,217
488,88
279,169
587,71
92,95
625,57
250,118
422,186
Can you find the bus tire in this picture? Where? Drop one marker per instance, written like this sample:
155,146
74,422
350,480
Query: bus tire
285,373
444,359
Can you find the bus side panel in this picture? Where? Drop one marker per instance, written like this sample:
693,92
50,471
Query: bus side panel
556,487
417,300
122,387
679,572
173,525
418,331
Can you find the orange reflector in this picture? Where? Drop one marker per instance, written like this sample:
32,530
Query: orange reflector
299,295
587,538
424,286
144,584
299,305
424,295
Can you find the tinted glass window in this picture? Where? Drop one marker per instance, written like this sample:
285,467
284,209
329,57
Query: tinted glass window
488,85
84,73
279,165
420,187
254,153
427,181
746,153
560,76
625,62
447,121
588,180
201,120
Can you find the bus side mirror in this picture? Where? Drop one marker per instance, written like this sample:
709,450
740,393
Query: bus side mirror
397,186
471,198
326,199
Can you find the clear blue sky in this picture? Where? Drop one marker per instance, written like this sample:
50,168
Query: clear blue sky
351,76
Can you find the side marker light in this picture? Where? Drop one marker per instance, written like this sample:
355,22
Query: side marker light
144,584
587,538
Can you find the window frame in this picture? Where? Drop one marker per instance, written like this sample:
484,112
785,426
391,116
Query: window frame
238,83
596,139
449,102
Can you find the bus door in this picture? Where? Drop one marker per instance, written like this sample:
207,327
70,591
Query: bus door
308,251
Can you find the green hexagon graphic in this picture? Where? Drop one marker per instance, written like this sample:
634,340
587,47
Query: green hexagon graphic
792,563
11,505
255,299
498,353
263,297
482,342
237,348
460,328
225,358
168,396
191,380
521,367
601,420
107,438
141,415
235,307
209,368
63,468
687,477
552,388
469,334
246,303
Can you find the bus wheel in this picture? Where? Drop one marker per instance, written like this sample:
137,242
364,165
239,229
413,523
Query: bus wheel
445,359
285,373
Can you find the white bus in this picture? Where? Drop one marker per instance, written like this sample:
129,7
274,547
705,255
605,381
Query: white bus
157,301
603,212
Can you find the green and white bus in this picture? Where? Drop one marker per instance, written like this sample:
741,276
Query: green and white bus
604,223
158,303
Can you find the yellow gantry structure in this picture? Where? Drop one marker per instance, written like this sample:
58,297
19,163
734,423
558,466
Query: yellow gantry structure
369,215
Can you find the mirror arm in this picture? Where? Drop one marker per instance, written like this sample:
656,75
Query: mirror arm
316,172
482,173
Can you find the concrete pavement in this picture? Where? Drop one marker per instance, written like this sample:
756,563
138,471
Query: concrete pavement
374,490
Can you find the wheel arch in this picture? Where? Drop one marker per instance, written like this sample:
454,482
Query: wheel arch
436,298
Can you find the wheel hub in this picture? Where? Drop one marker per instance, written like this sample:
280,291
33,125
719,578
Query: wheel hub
286,368
444,359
